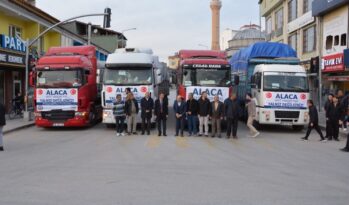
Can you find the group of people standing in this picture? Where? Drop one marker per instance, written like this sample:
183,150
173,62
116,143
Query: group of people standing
336,109
203,110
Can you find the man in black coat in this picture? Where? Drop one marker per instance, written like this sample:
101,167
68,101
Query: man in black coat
335,114
161,113
326,108
147,105
2,124
192,114
232,111
313,122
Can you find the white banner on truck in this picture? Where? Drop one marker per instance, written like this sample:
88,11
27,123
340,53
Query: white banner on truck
285,100
111,91
222,92
56,99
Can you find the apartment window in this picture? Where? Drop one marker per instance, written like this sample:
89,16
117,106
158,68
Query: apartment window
268,25
292,10
307,5
344,39
329,42
292,41
279,19
309,39
15,31
336,40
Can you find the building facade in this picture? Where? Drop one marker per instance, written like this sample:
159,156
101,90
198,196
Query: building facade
291,22
20,21
334,30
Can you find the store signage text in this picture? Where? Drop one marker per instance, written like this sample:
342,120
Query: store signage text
12,43
333,63
8,58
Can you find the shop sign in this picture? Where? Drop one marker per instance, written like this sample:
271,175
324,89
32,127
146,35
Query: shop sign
12,43
333,63
11,58
338,78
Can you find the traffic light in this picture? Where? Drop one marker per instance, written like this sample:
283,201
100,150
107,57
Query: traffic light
107,18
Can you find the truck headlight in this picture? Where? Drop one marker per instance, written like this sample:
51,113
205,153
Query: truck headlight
37,114
306,116
80,114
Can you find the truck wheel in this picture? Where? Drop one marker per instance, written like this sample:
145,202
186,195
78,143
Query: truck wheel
297,127
92,116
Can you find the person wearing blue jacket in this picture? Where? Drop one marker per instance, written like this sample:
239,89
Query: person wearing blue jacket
180,109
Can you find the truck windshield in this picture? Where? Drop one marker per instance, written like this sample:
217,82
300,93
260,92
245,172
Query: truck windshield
206,77
59,78
128,76
287,81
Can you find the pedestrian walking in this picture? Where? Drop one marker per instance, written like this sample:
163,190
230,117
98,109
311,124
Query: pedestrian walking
313,122
192,114
232,113
119,114
326,108
161,113
147,105
204,114
251,111
335,117
2,124
216,115
131,111
180,109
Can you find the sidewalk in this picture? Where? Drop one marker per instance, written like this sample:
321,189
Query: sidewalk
16,124
322,124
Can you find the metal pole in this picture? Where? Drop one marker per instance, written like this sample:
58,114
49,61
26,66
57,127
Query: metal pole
320,38
89,30
30,43
26,75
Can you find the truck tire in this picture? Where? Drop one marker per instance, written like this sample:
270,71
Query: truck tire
297,127
92,116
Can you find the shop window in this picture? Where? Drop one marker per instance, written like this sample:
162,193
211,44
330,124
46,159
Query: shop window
336,40
15,31
329,42
307,5
344,39
279,15
268,25
292,41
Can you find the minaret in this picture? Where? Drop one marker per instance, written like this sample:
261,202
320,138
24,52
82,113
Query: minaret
216,6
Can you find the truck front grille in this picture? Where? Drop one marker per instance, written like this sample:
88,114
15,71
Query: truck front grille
287,114
58,116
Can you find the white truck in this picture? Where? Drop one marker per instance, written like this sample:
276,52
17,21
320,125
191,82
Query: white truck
137,69
272,74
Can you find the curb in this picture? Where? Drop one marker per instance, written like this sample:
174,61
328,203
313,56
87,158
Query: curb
19,128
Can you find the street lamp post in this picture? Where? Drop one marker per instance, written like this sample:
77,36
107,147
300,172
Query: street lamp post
29,43
123,31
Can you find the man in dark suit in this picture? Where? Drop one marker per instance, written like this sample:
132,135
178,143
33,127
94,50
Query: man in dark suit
2,124
232,112
180,109
161,113
313,122
216,115
147,105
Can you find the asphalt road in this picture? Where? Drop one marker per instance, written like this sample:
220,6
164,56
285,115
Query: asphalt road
93,166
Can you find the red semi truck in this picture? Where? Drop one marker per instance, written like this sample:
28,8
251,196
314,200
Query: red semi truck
65,88
204,70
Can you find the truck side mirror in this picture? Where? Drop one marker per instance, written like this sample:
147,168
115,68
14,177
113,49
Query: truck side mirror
236,79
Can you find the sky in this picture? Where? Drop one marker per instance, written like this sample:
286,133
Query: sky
166,26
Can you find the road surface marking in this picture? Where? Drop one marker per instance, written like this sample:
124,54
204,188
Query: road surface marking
182,142
265,144
153,141
209,143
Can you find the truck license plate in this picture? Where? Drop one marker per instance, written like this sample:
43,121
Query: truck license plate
286,123
58,124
